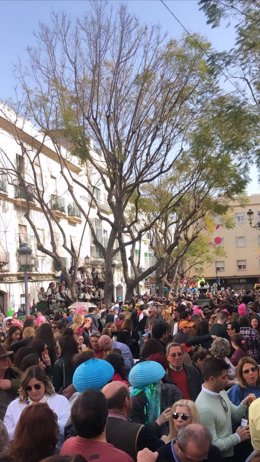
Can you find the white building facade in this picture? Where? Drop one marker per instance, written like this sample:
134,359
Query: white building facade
69,222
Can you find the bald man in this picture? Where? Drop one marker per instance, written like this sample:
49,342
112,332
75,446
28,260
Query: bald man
129,436
107,344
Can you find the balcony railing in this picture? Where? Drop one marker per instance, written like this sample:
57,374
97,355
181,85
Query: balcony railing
21,193
3,184
73,211
57,203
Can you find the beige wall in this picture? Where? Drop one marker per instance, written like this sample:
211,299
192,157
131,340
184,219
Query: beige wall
240,243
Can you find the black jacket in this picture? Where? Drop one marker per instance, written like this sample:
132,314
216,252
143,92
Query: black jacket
194,380
166,455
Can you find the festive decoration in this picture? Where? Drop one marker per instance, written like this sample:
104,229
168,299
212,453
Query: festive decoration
218,240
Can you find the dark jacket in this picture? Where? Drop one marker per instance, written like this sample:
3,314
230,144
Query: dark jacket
6,396
204,340
130,437
166,455
194,380
62,375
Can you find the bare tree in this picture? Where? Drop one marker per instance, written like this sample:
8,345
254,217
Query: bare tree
28,176
126,101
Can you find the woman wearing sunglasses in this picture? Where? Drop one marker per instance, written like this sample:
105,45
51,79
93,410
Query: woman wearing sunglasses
184,412
248,380
36,387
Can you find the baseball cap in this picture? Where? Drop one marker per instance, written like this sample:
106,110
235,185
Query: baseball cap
184,323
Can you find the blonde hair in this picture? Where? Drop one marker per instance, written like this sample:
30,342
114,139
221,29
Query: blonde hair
28,332
191,406
78,321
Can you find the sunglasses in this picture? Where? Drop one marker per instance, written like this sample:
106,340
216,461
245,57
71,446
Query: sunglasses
174,355
223,403
183,416
37,386
253,369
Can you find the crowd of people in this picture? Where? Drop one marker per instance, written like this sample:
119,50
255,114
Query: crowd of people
158,379
58,295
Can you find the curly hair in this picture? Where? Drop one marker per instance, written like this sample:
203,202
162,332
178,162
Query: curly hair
220,347
34,372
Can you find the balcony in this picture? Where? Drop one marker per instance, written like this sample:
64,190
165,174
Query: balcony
4,260
3,185
57,205
74,214
22,196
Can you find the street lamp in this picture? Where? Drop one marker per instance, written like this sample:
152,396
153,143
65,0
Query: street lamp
250,216
25,253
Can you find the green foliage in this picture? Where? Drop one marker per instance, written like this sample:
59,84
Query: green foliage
243,60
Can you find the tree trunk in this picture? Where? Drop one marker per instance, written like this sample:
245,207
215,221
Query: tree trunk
130,290
108,287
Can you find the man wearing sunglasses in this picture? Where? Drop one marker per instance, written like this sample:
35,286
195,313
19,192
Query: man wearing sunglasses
217,412
186,377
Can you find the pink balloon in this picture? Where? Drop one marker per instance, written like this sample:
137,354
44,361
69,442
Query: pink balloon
218,240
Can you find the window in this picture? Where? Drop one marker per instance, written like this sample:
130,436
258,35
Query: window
41,235
219,266
96,193
105,238
240,241
240,218
99,230
23,237
149,259
20,164
53,184
241,265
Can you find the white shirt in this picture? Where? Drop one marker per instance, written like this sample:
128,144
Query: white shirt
58,403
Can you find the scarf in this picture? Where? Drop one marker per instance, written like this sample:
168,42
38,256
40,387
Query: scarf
152,408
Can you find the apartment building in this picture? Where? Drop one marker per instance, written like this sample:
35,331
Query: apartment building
15,136
240,265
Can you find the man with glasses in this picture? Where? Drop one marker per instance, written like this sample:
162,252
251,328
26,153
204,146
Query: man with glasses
217,412
186,377
233,328
193,444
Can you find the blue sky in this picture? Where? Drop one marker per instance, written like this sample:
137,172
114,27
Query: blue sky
20,18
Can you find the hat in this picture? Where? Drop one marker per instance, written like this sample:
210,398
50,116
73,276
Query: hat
146,373
197,310
94,373
242,311
4,353
184,323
